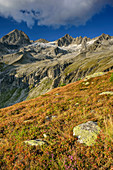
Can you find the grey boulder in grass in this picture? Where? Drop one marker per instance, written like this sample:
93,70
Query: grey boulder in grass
94,75
36,142
107,92
86,132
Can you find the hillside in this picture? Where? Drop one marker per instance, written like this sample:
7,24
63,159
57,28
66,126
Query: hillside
51,118
29,69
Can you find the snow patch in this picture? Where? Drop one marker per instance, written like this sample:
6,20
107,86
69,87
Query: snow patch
72,47
50,44
91,42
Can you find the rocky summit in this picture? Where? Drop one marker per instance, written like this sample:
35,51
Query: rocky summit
15,37
29,69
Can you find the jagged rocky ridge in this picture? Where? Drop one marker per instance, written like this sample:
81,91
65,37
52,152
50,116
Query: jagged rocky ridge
28,70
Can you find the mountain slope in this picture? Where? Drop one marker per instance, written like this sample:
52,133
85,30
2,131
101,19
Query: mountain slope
31,70
52,117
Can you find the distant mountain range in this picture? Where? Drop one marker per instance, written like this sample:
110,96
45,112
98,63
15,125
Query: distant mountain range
31,68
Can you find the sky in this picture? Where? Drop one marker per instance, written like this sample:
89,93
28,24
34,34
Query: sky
52,19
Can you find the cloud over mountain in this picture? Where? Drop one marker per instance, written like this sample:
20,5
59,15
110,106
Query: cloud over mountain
52,12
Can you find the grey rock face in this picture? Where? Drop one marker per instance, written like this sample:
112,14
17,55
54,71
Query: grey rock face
81,40
100,42
65,41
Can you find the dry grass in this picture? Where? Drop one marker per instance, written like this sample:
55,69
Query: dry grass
72,104
108,121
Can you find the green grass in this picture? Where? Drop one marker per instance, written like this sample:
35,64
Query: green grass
62,84
41,88
5,96
111,78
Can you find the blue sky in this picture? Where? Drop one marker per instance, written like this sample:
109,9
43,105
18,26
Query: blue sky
49,22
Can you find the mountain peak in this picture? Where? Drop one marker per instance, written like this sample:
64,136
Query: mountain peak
15,37
67,36
15,30
65,41
104,37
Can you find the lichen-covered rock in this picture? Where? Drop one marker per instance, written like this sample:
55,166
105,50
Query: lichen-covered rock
94,75
107,92
36,142
87,132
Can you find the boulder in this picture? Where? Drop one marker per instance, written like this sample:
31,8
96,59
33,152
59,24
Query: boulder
94,75
86,132
65,41
107,92
36,142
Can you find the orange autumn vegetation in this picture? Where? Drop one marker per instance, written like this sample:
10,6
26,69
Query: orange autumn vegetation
72,105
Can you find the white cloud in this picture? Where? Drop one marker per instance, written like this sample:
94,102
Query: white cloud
52,12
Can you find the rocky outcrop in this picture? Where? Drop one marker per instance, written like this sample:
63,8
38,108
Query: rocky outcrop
67,40
100,43
81,40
